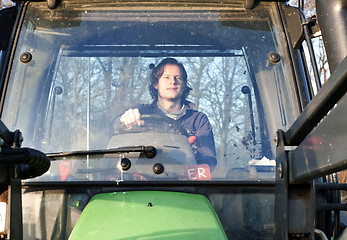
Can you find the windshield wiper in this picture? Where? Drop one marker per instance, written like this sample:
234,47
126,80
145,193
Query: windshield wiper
148,151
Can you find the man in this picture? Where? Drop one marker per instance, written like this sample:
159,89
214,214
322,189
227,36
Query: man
169,89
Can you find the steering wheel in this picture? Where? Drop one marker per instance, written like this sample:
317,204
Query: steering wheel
155,123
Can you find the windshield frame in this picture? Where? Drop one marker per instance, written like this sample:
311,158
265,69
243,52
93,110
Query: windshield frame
57,59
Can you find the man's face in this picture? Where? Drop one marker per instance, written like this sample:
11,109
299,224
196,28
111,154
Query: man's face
170,85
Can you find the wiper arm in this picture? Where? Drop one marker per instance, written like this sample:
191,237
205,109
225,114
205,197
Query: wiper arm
148,151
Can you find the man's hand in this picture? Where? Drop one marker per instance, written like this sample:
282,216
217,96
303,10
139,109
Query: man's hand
131,117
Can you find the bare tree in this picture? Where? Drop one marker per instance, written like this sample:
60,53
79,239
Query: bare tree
197,71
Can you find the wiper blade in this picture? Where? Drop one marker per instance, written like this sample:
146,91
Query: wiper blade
148,151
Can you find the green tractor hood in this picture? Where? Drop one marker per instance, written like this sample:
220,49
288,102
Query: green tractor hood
148,215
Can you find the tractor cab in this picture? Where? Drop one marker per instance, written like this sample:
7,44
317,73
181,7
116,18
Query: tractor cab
73,67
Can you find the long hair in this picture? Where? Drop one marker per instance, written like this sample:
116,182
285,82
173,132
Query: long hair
158,71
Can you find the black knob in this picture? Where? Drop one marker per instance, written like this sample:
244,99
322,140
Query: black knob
245,90
125,164
150,152
274,57
158,168
25,57
58,90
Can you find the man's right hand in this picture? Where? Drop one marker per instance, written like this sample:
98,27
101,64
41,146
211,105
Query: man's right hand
131,117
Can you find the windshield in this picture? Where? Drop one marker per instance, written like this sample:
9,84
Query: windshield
89,65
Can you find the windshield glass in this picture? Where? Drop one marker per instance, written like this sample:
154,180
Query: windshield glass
90,65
